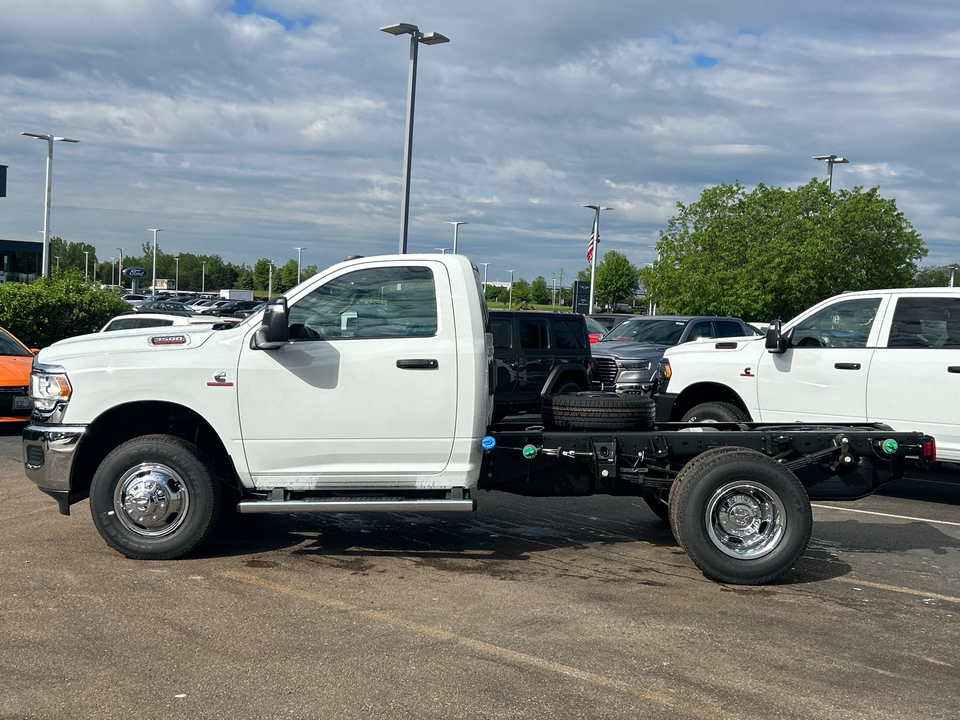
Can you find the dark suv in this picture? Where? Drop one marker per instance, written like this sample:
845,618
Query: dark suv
626,359
536,354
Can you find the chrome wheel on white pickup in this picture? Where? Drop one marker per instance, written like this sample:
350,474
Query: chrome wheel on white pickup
151,500
155,498
742,517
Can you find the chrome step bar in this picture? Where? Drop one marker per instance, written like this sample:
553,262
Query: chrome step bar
355,505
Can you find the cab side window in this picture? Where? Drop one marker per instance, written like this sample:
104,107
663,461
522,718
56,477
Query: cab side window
374,303
925,323
533,334
699,331
844,324
569,335
502,333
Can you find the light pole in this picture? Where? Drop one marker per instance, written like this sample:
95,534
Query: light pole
831,160
485,266
58,262
592,250
416,37
45,270
203,277
299,256
510,301
153,294
456,226
120,271
86,263
113,266
176,279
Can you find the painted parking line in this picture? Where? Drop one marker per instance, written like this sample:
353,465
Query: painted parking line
693,710
889,515
898,589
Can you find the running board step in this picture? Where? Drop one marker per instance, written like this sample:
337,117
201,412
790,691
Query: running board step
352,505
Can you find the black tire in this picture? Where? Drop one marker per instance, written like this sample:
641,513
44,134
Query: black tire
598,411
743,518
569,387
155,498
713,412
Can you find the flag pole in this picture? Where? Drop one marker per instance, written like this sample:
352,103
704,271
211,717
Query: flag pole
593,249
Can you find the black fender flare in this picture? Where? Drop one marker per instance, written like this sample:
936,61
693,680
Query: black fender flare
571,372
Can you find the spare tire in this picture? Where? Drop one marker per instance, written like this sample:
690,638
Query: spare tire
598,411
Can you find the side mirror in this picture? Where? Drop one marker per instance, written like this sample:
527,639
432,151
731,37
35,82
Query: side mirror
776,342
272,332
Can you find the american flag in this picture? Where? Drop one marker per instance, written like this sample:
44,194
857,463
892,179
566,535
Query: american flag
591,246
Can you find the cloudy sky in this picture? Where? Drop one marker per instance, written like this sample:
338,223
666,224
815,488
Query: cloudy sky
248,128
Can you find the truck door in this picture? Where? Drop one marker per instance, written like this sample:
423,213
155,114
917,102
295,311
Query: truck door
823,374
536,359
366,386
914,381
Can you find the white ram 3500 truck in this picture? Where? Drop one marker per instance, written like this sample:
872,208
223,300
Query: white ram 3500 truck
369,388
879,356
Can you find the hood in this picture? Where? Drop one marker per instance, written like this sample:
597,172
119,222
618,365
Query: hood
729,344
15,370
628,350
170,338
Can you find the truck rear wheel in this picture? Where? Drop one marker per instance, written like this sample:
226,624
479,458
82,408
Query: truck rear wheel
155,498
711,412
743,518
598,411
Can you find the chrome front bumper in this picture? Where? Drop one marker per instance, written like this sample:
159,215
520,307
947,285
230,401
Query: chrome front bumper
49,452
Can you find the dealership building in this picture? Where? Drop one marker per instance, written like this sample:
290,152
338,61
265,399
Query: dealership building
20,260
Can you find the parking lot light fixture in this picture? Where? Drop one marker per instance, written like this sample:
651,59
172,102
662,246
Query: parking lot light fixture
831,160
510,301
45,260
86,263
416,37
176,277
120,271
154,231
299,257
456,226
485,266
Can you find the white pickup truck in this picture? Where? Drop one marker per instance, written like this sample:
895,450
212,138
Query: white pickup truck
887,356
369,388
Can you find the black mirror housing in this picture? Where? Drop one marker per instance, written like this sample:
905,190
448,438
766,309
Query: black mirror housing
775,342
273,331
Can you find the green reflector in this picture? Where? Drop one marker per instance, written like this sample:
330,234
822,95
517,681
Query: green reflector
529,452
890,446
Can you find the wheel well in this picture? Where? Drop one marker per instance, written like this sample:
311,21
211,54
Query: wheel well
126,422
563,375
702,393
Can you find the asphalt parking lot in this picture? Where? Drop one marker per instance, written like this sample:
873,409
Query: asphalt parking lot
529,608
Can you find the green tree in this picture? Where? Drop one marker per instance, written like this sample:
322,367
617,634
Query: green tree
539,292
935,276
617,279
56,308
521,291
773,252
261,274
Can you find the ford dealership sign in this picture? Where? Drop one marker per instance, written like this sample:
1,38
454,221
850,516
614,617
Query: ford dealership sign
134,272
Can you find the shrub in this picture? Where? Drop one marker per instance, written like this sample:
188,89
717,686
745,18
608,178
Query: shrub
57,308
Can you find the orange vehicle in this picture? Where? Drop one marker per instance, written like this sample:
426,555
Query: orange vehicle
16,359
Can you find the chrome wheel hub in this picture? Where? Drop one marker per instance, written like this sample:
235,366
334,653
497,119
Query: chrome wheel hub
745,520
151,500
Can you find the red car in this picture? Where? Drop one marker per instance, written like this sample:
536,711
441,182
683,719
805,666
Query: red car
16,359
595,329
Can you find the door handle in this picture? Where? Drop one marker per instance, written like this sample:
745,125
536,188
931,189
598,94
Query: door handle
416,364
953,368
847,366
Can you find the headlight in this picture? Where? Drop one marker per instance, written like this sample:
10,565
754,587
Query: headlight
634,364
49,387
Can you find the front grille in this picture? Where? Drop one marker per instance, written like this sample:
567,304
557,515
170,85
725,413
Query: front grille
7,394
604,370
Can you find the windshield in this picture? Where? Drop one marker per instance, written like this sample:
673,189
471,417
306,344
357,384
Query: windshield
9,346
653,332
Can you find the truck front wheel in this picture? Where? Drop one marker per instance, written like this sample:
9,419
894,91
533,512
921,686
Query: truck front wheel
155,498
743,518
713,412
